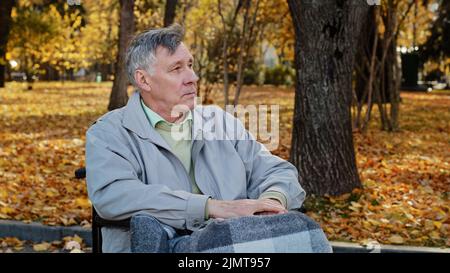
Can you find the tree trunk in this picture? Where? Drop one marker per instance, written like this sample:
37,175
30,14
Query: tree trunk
169,12
119,96
242,45
5,25
247,40
391,62
227,32
322,142
363,65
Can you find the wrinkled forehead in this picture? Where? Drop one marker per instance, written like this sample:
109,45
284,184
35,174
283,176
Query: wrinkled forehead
181,54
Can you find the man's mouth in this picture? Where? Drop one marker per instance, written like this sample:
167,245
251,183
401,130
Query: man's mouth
189,94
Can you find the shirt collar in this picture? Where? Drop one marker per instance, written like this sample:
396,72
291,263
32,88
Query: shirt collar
155,118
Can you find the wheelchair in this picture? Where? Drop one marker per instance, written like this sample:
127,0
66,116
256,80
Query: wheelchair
98,222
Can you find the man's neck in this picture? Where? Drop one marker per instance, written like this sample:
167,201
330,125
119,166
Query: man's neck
164,113
177,120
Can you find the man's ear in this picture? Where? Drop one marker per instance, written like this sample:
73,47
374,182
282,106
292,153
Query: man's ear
142,79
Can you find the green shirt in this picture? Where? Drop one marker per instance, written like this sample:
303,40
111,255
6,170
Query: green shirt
180,145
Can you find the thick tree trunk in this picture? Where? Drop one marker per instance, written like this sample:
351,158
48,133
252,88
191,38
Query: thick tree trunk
322,142
5,25
169,12
119,96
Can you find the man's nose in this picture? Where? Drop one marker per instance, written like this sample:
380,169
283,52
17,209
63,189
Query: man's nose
192,77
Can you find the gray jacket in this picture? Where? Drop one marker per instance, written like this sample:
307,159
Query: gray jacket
131,169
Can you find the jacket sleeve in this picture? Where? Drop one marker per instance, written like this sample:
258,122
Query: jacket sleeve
117,193
266,172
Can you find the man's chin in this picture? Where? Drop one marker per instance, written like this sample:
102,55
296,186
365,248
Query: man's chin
189,102
184,106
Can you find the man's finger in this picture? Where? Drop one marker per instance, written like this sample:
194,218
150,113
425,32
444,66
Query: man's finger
269,207
275,204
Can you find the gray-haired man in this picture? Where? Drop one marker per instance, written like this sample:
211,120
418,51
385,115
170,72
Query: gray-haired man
198,193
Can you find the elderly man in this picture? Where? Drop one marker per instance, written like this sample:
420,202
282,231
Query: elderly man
194,193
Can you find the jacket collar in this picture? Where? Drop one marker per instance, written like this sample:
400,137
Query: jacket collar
134,119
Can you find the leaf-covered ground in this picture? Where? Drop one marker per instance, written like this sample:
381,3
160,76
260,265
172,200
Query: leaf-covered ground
406,175
68,244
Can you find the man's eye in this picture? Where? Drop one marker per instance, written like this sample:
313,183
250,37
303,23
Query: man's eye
176,68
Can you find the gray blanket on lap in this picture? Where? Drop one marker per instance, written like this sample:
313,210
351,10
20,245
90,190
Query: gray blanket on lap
290,232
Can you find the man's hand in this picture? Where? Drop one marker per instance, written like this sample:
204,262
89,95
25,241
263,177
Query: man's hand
244,207
270,212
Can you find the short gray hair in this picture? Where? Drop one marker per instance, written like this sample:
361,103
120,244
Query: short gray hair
141,51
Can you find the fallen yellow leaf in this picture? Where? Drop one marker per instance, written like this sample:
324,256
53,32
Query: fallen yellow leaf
41,247
83,202
437,224
435,235
396,239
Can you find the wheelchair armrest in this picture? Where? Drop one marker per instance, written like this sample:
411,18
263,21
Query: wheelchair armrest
109,223
100,222
80,173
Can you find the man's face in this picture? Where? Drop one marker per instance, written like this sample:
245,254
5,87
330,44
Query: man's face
173,81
